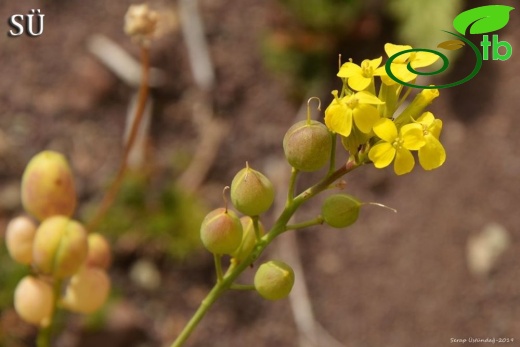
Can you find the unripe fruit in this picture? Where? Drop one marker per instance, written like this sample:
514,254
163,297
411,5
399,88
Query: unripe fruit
34,300
19,239
251,192
87,290
274,280
60,247
307,145
99,254
248,238
221,231
48,187
340,210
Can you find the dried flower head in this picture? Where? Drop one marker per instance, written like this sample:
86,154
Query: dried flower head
141,22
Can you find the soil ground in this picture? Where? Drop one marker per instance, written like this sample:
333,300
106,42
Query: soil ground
390,280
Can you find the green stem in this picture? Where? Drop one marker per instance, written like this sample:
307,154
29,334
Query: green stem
292,186
45,334
279,227
218,266
332,154
237,286
306,224
256,227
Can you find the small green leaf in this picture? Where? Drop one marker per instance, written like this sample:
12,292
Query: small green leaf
451,45
483,19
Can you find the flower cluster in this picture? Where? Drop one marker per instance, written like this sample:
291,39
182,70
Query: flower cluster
370,127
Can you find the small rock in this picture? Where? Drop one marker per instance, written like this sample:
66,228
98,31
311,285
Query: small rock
485,248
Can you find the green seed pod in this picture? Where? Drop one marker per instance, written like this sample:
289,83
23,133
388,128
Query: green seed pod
340,210
274,280
48,187
33,301
248,238
19,239
251,192
221,231
307,145
60,247
87,290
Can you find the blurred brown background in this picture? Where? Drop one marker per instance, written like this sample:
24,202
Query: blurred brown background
390,280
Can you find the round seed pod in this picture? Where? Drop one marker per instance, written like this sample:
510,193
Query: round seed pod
60,247
274,280
307,145
221,231
99,254
33,301
340,210
251,192
248,238
87,290
48,187
19,239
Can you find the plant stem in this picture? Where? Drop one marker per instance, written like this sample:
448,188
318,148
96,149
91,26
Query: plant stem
306,224
45,334
292,186
218,267
111,193
279,227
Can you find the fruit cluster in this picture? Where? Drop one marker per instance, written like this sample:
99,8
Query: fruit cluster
68,264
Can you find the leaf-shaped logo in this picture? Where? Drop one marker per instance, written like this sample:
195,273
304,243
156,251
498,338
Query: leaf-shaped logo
483,19
451,45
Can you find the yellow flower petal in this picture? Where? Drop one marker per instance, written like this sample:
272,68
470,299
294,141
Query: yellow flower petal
432,154
422,59
365,116
349,69
367,98
392,49
426,118
385,129
359,82
402,73
435,128
404,162
374,63
382,154
380,71
338,118
413,136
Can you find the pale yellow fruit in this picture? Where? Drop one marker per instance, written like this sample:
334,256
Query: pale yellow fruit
33,301
60,247
19,239
99,254
87,290
48,186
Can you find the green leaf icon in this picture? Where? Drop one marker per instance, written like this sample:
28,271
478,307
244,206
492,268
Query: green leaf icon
483,19
451,45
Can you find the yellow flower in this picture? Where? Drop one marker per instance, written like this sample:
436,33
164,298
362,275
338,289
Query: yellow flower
357,107
399,66
432,154
394,145
360,77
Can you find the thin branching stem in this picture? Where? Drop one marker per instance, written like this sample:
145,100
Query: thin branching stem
112,191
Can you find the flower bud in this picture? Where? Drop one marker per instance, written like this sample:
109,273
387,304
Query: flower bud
140,22
248,238
340,210
87,290
251,192
221,231
19,239
307,145
60,247
48,187
34,301
274,280
99,254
